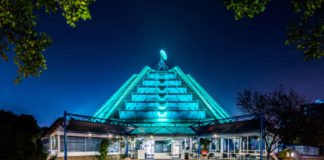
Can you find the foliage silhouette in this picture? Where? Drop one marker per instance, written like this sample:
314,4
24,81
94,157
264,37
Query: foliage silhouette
276,106
18,34
305,31
20,137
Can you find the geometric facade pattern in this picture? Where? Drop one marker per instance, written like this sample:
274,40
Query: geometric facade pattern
161,102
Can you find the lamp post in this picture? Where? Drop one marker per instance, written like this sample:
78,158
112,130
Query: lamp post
261,135
198,156
65,143
126,149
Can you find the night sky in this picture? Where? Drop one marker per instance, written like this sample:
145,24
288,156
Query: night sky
87,64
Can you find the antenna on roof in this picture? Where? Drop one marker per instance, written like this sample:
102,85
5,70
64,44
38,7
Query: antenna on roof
161,65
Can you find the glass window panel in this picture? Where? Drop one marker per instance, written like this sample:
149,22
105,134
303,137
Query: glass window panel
254,143
74,144
225,145
93,144
114,147
244,143
162,146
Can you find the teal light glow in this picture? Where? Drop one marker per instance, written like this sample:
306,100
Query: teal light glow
162,107
163,55
163,130
105,107
162,114
211,100
210,103
162,119
156,100
109,107
127,91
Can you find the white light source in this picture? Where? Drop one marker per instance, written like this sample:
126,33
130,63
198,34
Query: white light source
110,135
89,134
151,137
162,107
215,135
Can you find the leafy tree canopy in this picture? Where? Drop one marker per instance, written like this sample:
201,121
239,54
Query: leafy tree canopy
305,127
20,137
18,35
306,31
276,106
289,118
103,148
205,143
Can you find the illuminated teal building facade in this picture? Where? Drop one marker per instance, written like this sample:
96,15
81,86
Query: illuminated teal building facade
161,102
166,112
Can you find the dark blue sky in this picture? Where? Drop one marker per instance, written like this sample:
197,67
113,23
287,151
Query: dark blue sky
87,64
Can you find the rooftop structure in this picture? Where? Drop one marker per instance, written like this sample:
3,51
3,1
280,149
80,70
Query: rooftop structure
161,101
158,113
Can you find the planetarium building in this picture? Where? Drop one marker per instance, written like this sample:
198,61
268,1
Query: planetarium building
159,113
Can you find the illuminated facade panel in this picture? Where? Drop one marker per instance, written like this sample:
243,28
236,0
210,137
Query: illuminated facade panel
161,89
170,105
164,97
169,114
166,112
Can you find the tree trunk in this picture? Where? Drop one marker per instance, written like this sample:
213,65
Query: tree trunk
268,154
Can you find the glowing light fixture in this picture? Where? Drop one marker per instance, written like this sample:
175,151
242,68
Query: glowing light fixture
162,119
163,55
162,114
161,65
162,107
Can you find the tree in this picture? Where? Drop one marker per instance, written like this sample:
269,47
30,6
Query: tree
275,106
305,31
205,143
18,34
308,124
103,149
20,137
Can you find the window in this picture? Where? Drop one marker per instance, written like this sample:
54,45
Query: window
225,144
216,145
113,148
53,143
74,144
80,144
254,143
162,146
244,143
138,144
93,144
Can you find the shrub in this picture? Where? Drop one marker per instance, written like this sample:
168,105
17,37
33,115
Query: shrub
103,149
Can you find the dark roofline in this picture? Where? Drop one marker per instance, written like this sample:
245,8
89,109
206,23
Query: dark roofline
57,123
83,124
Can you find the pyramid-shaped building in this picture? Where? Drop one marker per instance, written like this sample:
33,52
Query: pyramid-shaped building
159,113
161,101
